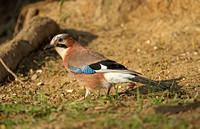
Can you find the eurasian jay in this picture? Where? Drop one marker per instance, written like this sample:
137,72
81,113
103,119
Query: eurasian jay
92,69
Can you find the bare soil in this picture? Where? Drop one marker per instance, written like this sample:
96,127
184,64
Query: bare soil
159,38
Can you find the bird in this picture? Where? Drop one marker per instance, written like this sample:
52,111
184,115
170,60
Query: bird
92,69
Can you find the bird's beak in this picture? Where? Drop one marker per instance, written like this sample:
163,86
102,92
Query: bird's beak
51,45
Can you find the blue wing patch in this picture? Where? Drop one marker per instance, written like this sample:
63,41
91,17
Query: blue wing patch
84,70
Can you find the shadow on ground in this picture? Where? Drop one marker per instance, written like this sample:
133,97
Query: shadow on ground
176,109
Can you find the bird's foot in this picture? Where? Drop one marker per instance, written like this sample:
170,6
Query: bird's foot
86,95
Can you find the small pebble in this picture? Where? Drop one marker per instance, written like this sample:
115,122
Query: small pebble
127,87
31,72
34,77
186,28
175,35
127,62
157,97
195,53
138,50
39,71
40,83
155,47
148,41
183,54
70,91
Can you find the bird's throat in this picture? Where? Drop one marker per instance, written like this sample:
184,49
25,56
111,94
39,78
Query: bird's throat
61,51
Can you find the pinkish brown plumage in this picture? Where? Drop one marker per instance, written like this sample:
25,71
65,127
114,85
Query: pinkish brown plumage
78,56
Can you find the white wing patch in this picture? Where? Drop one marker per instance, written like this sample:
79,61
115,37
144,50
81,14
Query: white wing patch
103,66
115,71
118,77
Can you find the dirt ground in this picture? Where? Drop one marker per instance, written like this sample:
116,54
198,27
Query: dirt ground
159,38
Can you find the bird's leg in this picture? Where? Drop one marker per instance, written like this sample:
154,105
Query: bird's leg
87,92
107,94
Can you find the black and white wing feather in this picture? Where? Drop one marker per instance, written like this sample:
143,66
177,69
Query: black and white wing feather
106,66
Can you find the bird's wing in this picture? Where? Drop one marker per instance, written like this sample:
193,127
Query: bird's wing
107,66
104,66
84,58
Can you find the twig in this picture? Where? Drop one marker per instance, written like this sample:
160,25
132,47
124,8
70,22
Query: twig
6,67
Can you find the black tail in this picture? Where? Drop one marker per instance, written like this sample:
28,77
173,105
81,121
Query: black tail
151,83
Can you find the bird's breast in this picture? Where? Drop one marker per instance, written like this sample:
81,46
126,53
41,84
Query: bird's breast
91,81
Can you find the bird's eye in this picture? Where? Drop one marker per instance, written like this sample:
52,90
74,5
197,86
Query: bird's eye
60,40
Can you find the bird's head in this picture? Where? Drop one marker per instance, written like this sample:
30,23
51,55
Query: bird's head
61,43
59,40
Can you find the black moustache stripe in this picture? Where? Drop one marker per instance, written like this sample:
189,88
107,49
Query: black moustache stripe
61,45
